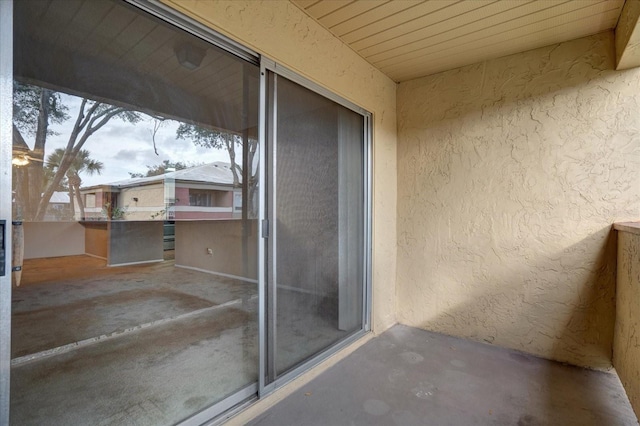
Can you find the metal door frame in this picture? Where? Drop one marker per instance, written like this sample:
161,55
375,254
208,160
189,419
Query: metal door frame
266,243
269,73
6,144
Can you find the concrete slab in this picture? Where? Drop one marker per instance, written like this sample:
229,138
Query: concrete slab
51,327
81,298
409,376
144,344
59,281
161,342
154,376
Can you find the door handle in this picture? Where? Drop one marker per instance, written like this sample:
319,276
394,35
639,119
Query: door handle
3,250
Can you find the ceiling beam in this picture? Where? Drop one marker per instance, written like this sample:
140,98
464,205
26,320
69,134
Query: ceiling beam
628,36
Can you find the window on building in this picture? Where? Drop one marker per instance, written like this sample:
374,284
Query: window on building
201,198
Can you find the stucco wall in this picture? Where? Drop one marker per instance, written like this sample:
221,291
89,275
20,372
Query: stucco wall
150,204
281,31
224,238
626,346
52,239
510,174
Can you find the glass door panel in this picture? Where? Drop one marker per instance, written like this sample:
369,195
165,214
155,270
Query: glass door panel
135,218
318,221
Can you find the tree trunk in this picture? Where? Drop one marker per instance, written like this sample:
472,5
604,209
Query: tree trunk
71,205
87,121
34,171
228,141
77,182
22,193
48,192
80,203
20,178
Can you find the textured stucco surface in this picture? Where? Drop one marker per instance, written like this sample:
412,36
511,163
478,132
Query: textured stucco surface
224,238
626,347
51,239
510,174
281,31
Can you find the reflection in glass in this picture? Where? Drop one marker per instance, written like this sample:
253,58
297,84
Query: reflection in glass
135,204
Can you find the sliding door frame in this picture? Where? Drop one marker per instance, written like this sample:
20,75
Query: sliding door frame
6,151
269,73
267,117
190,25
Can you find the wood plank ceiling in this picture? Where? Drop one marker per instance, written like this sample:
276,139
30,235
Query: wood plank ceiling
406,39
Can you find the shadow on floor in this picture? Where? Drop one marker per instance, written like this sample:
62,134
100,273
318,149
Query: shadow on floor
409,376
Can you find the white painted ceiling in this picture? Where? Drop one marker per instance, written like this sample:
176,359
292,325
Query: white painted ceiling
406,39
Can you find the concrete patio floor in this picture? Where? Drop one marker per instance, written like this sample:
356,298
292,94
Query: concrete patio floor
152,344
408,376
143,344
147,344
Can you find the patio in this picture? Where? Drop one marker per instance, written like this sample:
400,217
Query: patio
154,340
408,377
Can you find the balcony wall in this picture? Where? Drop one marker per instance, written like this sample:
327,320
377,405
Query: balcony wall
510,173
225,240
626,343
53,239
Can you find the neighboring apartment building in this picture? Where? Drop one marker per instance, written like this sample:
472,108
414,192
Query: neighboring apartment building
202,192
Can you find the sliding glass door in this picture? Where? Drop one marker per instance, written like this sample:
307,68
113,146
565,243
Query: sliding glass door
134,210
184,224
316,214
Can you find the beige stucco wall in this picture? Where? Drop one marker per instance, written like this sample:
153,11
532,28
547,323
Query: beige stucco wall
224,239
510,174
150,204
281,31
53,239
626,346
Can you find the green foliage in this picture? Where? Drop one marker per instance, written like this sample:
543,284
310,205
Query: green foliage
81,164
27,102
117,213
205,137
215,139
34,109
160,169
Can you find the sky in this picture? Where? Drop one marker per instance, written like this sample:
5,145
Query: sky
124,147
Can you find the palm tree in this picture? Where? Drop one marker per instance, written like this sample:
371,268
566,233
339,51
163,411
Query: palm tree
81,164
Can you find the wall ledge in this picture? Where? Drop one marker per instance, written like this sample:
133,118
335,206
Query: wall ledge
631,227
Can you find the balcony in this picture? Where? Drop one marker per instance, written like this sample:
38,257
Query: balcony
407,376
